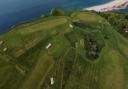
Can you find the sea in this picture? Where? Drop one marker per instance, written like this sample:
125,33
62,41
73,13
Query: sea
13,12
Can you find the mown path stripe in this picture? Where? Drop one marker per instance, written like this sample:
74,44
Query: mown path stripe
37,76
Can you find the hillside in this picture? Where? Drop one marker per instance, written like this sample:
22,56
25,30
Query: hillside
120,24
78,51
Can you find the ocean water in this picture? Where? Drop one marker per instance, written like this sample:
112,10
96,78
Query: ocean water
13,12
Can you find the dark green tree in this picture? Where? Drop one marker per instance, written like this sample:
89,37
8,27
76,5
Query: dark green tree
57,12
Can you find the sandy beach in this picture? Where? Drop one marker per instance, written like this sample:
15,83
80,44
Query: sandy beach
113,5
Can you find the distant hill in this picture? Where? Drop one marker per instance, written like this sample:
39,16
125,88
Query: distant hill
80,50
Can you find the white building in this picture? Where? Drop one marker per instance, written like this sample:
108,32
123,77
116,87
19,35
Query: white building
48,46
52,80
1,42
70,25
5,49
126,31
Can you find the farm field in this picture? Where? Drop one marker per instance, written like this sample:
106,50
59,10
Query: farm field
77,51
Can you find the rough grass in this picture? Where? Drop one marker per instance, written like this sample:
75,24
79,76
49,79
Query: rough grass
36,77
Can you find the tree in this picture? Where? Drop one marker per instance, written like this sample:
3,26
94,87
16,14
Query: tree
57,12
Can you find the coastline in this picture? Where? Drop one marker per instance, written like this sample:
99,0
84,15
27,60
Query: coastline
11,20
110,6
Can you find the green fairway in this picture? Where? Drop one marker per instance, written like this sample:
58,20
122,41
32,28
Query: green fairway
78,51
37,77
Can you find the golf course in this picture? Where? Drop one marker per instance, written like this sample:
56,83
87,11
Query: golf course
81,50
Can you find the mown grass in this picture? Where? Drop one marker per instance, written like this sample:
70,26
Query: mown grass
36,77
27,64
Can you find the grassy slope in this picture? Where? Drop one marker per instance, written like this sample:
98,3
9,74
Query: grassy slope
101,74
28,65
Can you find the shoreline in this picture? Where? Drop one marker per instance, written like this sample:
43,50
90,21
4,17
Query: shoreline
110,6
7,26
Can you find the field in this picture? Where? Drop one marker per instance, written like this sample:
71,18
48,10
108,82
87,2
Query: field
85,52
